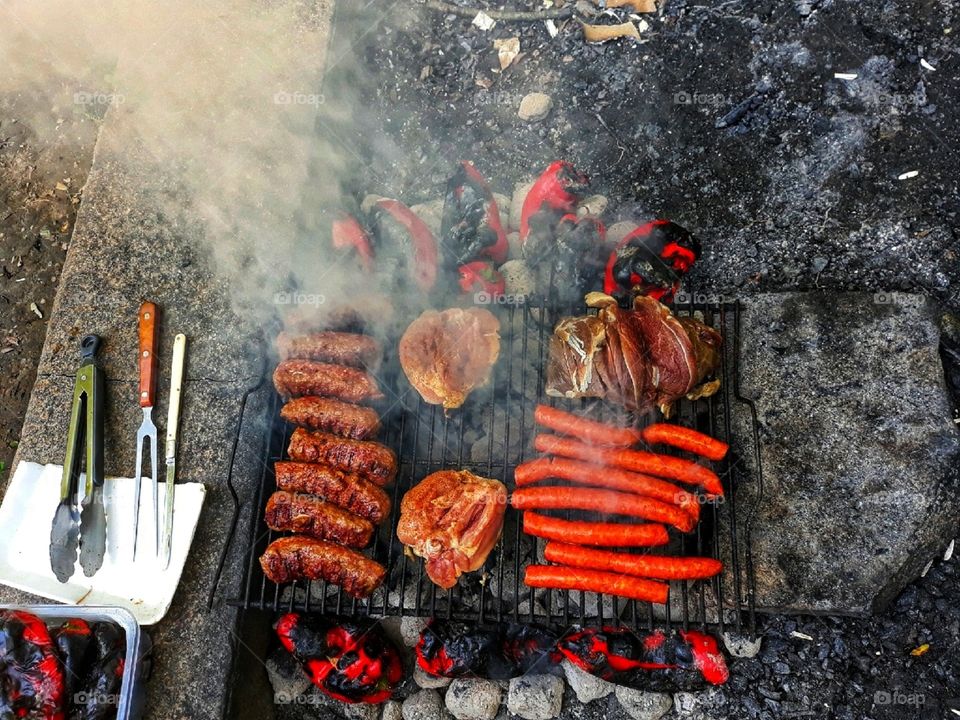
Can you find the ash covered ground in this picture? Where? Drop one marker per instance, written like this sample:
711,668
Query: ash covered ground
728,118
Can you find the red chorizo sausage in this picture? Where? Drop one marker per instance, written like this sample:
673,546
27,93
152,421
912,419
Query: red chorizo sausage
590,431
686,439
595,533
651,566
567,578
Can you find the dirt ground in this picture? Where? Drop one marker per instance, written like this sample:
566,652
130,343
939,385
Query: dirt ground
41,176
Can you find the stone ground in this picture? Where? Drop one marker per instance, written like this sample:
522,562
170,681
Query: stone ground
727,119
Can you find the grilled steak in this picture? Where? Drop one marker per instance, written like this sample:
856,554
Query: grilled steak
369,459
332,416
304,558
349,491
452,519
309,515
294,378
331,347
445,355
640,357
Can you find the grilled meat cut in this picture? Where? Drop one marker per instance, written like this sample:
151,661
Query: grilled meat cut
452,519
371,460
348,490
445,355
640,357
303,558
332,416
340,348
294,378
309,515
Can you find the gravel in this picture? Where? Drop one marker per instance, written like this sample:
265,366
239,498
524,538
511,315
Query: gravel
534,107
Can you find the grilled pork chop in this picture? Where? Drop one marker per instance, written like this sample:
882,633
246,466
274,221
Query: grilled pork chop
452,519
445,355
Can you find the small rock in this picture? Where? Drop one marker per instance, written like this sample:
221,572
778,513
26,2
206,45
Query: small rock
431,213
423,705
392,710
686,703
286,677
586,686
410,629
518,278
818,264
535,106
618,231
741,646
473,699
520,193
535,697
593,205
642,705
361,711
428,682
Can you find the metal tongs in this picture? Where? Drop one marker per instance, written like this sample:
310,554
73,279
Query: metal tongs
85,525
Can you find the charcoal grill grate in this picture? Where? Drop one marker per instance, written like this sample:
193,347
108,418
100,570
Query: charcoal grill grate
490,436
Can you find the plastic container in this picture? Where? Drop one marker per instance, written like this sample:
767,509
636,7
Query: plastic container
137,664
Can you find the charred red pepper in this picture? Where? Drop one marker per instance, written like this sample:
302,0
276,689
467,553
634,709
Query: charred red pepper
554,194
73,640
651,261
657,661
480,276
348,235
404,239
452,649
571,262
471,227
349,661
97,691
31,678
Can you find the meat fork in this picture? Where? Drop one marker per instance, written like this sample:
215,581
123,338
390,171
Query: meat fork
148,431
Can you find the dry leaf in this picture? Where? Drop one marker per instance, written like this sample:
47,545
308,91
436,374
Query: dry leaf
484,21
640,6
36,310
603,33
918,651
507,50
61,186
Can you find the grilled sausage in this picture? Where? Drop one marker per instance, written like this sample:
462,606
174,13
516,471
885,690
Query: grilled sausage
651,566
601,501
567,578
340,348
685,439
665,466
351,492
606,477
374,461
332,416
594,533
303,558
295,378
309,515
591,431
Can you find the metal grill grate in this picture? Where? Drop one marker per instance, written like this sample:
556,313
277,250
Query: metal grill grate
490,436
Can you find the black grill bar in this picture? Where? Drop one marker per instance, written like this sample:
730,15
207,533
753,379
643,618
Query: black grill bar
491,435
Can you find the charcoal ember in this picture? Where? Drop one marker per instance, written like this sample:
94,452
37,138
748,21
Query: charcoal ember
853,461
286,676
423,705
454,649
473,699
535,697
587,687
569,261
643,705
427,681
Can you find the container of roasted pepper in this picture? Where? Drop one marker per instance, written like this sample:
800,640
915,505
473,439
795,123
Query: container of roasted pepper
82,663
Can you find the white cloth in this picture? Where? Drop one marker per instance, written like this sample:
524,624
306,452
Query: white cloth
142,587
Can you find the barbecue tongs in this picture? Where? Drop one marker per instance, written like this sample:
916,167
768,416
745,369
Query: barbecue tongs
74,523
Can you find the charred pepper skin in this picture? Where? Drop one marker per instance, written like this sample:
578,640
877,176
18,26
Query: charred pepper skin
471,226
658,661
651,260
31,678
451,649
350,661
73,641
554,194
571,260
100,684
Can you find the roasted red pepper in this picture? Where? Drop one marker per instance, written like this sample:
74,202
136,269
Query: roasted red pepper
481,277
405,239
349,661
657,661
31,678
452,649
571,261
554,194
651,261
471,227
348,235
97,690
